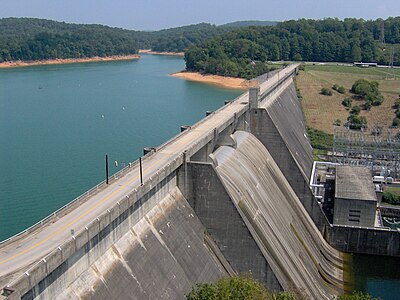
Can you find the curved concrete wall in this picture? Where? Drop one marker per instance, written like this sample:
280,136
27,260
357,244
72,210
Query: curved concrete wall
289,240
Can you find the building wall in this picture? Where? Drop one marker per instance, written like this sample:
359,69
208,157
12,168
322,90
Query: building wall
363,240
354,212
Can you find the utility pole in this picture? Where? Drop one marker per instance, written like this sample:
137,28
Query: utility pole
141,171
382,36
106,169
391,63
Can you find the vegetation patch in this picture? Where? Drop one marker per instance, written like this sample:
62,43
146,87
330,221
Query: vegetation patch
245,52
347,102
391,195
319,139
339,89
396,106
244,287
322,114
326,92
391,198
237,287
368,91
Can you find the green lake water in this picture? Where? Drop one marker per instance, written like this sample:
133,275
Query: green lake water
57,123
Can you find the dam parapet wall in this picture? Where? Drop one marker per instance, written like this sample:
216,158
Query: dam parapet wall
99,235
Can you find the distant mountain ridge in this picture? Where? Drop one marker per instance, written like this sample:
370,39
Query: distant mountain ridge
248,23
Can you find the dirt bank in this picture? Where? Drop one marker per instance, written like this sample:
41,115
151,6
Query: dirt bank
227,82
149,51
59,61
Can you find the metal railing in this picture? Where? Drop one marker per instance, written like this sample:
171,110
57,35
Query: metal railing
80,199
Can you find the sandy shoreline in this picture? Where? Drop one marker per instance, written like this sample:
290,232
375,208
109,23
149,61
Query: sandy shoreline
59,61
149,51
227,82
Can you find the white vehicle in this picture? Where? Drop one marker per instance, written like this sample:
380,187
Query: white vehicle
378,179
389,179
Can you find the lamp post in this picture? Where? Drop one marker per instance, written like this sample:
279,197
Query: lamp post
106,169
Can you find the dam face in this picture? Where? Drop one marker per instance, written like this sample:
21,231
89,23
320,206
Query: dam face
282,229
222,205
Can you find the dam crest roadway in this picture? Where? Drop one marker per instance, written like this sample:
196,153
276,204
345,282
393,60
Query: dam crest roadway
52,257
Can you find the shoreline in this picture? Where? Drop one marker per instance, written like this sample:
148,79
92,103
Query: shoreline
62,61
149,51
221,81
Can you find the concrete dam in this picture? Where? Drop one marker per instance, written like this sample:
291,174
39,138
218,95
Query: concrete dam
228,195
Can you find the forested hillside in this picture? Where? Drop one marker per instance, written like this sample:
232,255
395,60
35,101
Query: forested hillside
248,23
180,38
243,52
38,39
225,50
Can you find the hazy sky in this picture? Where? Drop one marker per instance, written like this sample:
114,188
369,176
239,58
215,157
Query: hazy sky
158,14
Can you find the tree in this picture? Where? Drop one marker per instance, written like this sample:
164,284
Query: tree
347,102
355,110
357,296
341,90
235,288
356,121
396,122
195,58
368,91
326,92
356,52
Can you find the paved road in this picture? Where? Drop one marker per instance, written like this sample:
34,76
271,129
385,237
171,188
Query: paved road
23,252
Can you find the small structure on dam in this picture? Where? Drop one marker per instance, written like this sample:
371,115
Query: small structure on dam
355,197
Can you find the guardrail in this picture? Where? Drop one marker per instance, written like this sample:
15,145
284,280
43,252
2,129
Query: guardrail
80,199
148,183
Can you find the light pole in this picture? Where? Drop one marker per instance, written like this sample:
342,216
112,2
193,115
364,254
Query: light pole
106,169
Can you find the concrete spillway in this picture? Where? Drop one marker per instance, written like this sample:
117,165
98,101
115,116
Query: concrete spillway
286,235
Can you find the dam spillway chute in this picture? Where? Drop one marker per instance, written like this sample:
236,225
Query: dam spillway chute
299,256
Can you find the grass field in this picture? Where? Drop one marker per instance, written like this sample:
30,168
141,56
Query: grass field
392,189
322,111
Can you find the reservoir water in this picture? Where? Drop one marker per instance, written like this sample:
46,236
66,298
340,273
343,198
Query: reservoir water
58,122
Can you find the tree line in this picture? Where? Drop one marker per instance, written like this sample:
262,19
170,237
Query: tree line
38,39
243,52
231,49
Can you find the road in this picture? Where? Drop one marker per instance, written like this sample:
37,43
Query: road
17,256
